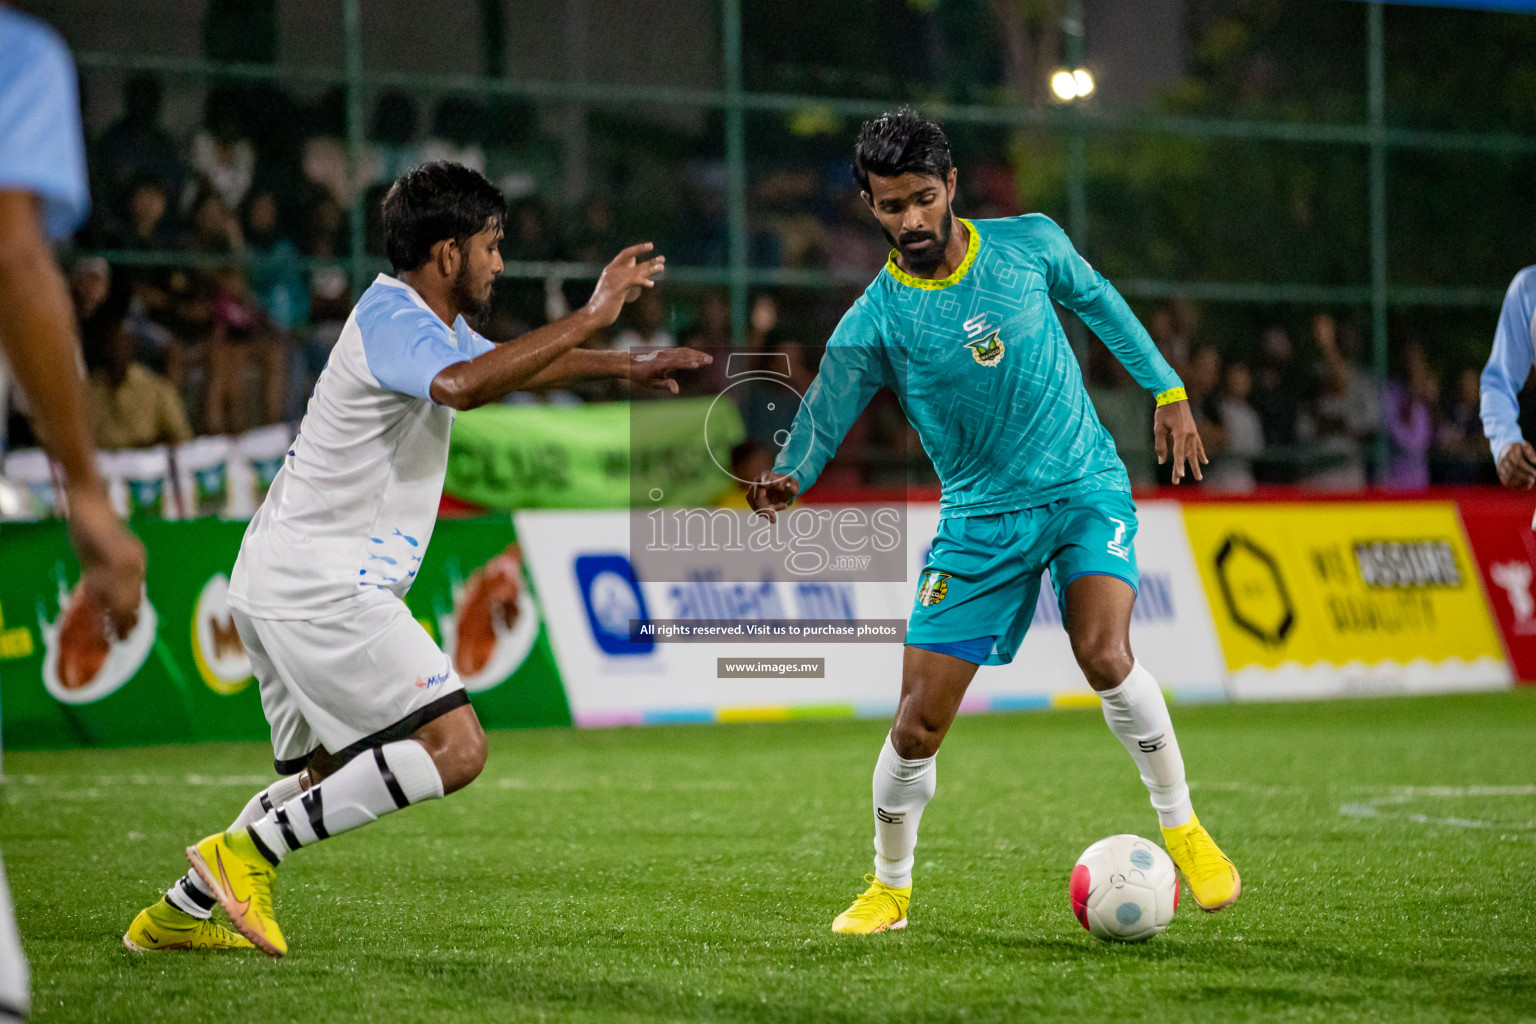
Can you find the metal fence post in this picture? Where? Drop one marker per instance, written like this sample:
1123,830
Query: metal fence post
1377,63
736,167
1077,160
352,34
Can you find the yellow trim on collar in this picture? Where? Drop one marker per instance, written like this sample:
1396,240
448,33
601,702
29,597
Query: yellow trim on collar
928,283
1172,395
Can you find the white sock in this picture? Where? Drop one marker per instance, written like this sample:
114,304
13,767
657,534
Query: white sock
191,894
1138,716
15,983
902,789
366,788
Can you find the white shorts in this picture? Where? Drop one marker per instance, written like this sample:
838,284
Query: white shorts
349,681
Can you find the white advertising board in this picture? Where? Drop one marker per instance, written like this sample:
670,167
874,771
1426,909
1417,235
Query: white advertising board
586,582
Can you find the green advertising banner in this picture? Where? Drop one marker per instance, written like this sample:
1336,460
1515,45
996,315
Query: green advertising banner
183,675
534,456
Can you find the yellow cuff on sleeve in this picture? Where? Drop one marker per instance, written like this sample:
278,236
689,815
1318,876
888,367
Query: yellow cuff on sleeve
1172,395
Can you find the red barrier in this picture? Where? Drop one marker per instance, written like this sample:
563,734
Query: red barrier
1498,524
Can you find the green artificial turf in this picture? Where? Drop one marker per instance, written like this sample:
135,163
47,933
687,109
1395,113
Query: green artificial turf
1387,849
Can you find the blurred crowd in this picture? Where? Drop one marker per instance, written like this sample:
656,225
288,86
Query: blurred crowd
232,333
1309,414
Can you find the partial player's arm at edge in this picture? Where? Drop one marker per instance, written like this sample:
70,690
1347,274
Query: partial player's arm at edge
36,329
515,365
38,337
1509,364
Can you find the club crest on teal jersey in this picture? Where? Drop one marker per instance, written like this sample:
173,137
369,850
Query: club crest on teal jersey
985,341
934,587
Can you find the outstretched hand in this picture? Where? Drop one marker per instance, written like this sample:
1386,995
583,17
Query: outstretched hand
623,280
654,369
1517,466
1173,426
772,493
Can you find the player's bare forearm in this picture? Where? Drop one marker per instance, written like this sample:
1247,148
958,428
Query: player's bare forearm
38,334
513,366
581,364
648,370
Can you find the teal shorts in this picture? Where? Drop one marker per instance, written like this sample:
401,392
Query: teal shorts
982,577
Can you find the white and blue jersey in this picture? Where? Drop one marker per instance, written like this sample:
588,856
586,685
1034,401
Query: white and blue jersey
42,147
1514,348
353,507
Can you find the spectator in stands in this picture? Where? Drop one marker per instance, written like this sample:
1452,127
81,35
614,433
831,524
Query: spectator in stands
645,324
146,222
1461,449
1203,384
458,133
240,332
135,147
329,301
711,328
1124,409
90,284
130,405
150,314
597,235
710,331
237,328
1279,387
1242,434
273,262
1171,339
213,228
853,251
324,158
392,148
222,154
1342,422
1409,407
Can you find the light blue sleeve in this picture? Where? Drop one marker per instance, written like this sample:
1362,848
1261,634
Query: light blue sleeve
471,342
42,147
1509,363
853,368
1083,290
406,346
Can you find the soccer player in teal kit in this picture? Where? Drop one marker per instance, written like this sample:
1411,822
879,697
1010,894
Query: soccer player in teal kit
960,325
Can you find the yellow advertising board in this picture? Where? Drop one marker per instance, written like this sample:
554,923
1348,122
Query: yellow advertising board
1379,595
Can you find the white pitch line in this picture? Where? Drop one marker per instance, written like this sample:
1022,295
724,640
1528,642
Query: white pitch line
1398,795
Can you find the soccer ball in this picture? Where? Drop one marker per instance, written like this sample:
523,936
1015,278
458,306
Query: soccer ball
1124,889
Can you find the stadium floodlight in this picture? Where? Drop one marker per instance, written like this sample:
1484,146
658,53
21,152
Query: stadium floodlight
1072,85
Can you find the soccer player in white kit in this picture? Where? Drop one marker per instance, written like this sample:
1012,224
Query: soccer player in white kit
368,715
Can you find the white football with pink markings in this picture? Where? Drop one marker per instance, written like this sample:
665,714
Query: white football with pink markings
1124,889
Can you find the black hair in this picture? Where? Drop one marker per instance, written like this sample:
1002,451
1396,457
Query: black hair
899,142
434,202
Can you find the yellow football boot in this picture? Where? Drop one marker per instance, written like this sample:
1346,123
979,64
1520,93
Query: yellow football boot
164,926
880,908
241,878
1211,875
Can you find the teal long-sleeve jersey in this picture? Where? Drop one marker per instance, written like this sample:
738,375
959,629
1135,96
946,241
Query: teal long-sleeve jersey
983,370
